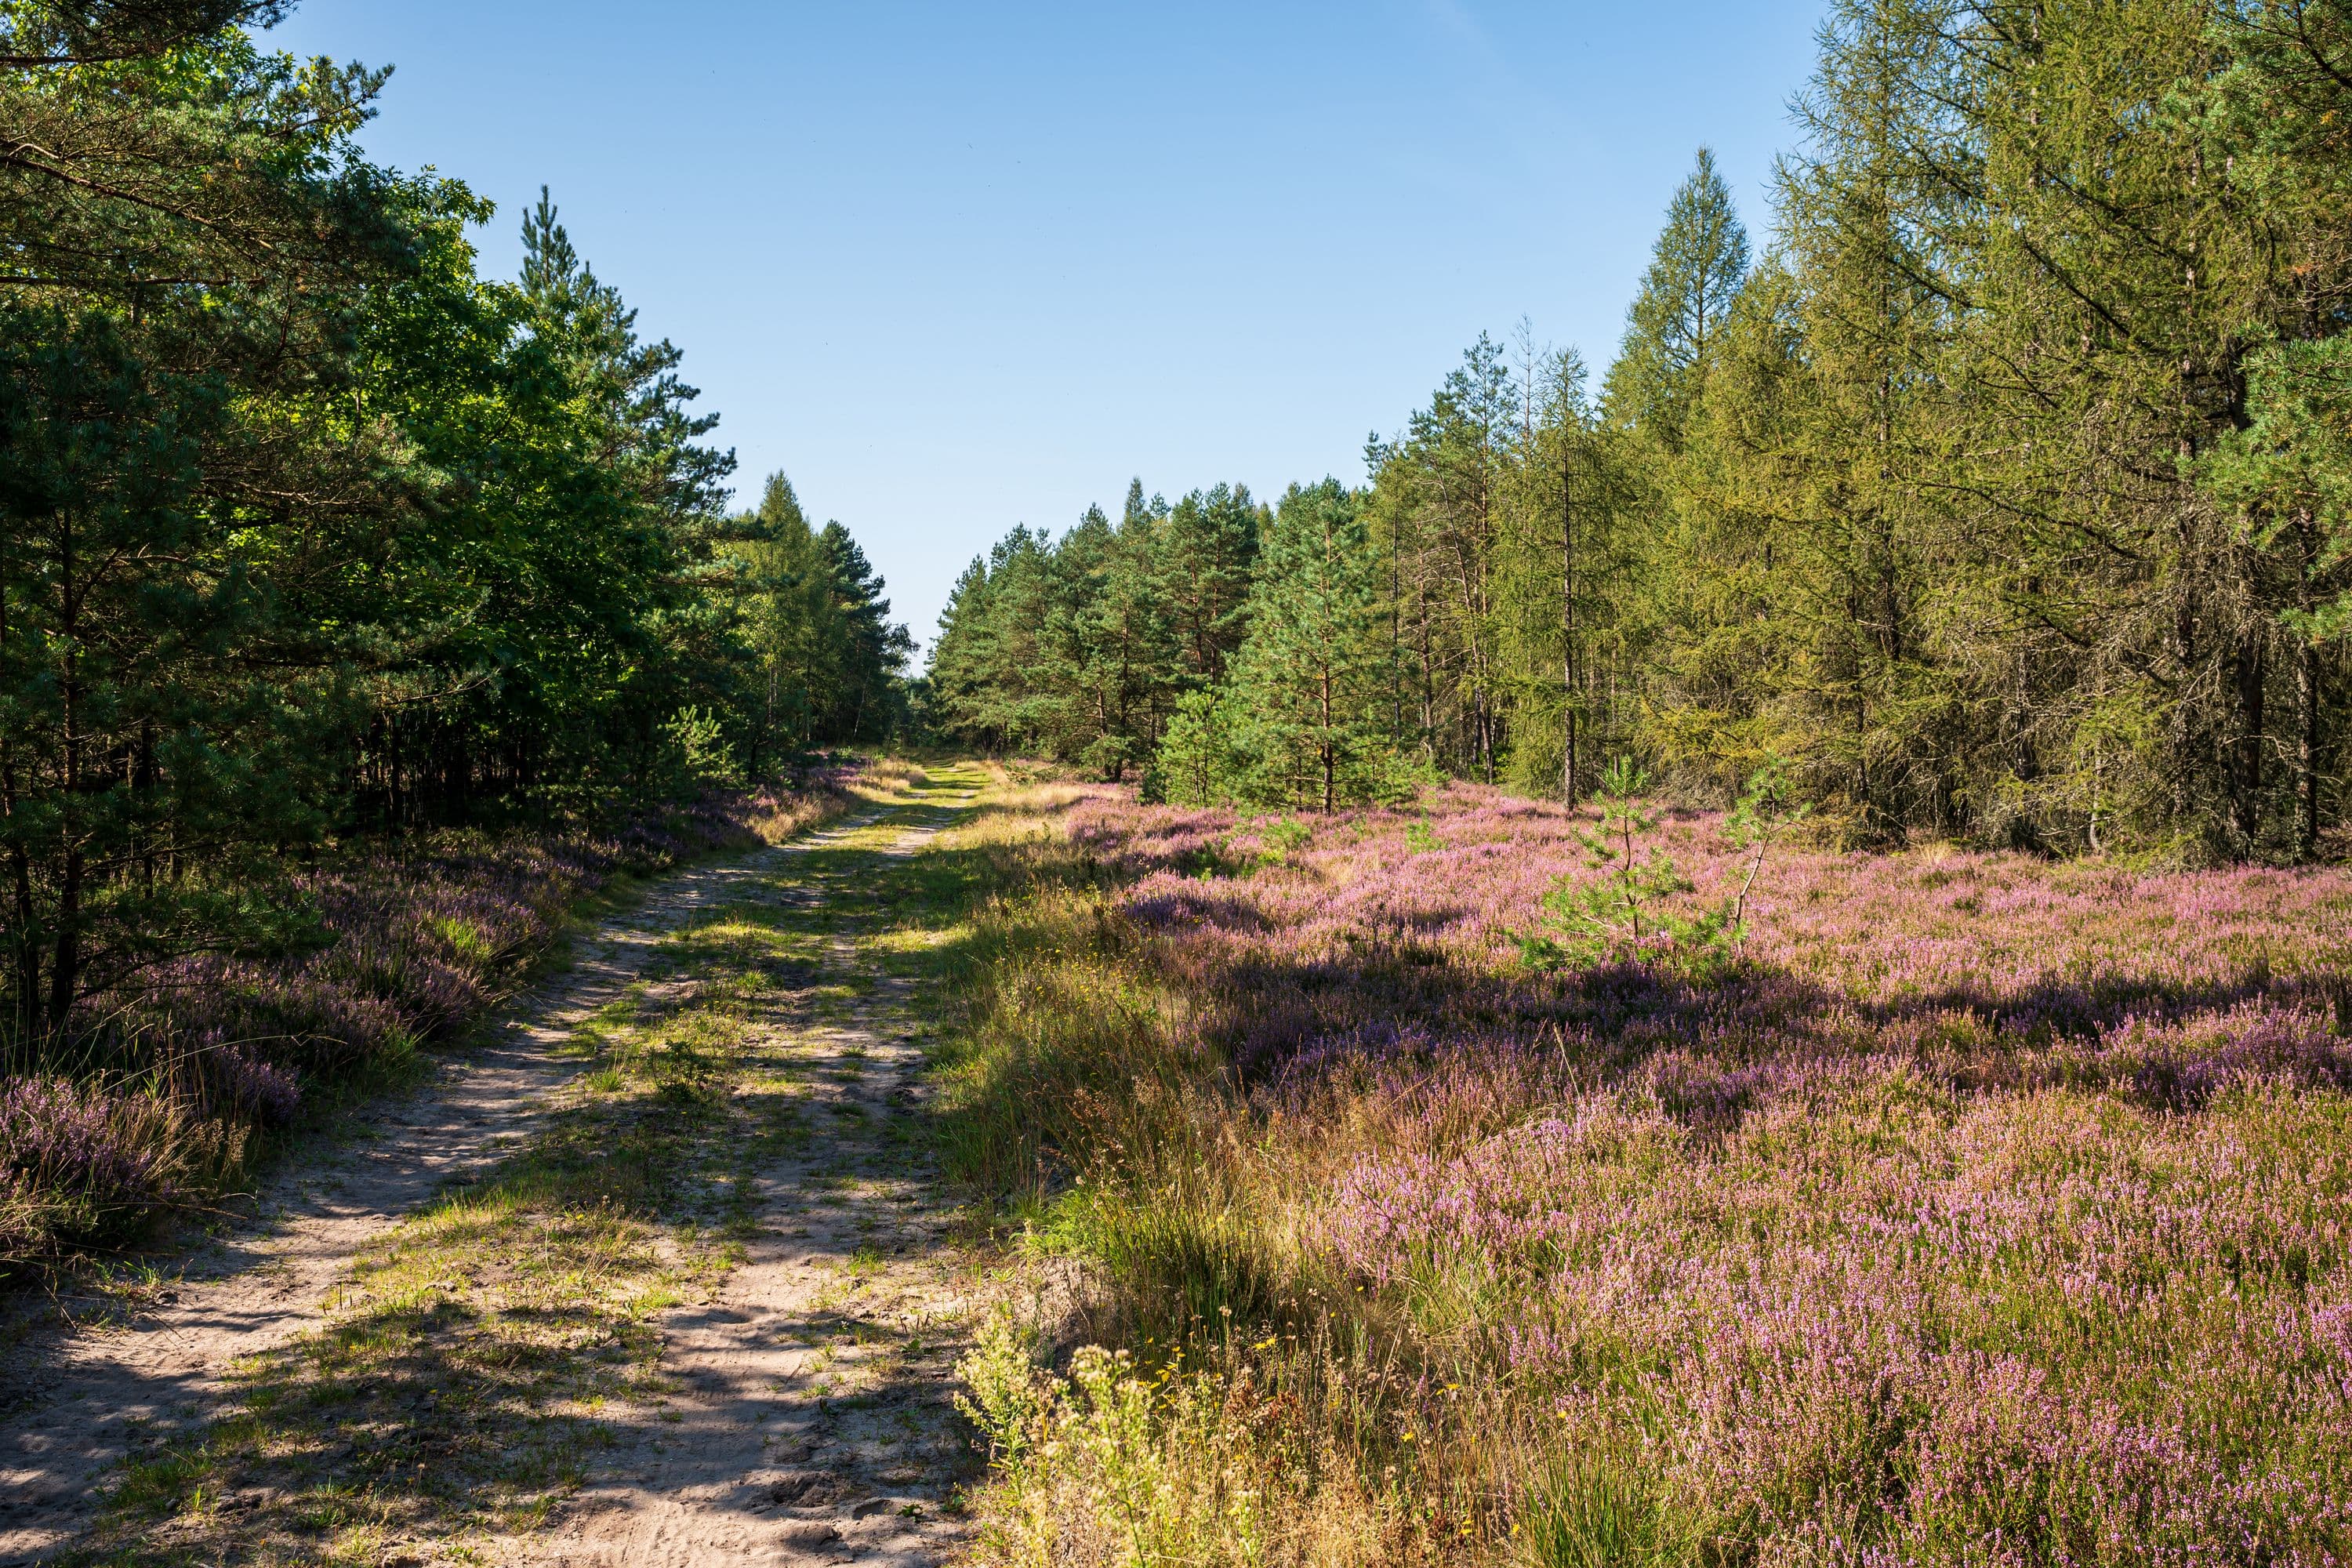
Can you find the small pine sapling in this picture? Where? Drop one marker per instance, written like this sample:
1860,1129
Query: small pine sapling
1282,838
1626,911
1635,909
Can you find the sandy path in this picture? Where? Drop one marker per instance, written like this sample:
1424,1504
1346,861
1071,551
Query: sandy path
813,1421
73,1398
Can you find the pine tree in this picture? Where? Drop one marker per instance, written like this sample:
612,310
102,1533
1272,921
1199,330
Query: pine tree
141,723
1208,547
829,658
2275,119
1131,668
1078,720
788,619
1440,522
306,527
1562,582
191,237
1309,684
873,651
957,679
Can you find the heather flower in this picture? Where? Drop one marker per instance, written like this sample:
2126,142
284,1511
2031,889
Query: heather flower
1983,1207
421,942
77,1164
254,1089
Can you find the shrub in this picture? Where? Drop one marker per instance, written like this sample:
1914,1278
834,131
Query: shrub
83,1167
1979,1198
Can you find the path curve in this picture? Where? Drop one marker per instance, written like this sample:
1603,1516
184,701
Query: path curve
74,1398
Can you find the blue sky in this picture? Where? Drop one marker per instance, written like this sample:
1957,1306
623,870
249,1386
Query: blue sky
958,266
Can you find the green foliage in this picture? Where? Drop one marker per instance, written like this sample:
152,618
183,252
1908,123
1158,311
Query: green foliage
1700,262
1002,1396
1207,553
1592,1510
1309,680
825,660
698,749
1161,1458
1198,757
1628,912
306,528
154,752
1764,816
2288,474
1081,646
1281,838
1635,910
2001,493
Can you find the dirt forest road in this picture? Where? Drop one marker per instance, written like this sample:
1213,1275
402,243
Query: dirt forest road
448,1342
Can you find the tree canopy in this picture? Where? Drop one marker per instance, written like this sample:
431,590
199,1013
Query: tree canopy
309,531
2000,492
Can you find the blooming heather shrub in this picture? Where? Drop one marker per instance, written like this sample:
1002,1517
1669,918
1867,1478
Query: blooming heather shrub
422,940
250,1089
78,1169
1985,1209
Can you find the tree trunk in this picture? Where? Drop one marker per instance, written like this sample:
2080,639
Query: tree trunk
2306,701
1568,623
2306,751
1330,781
144,781
1428,677
27,979
1396,634
65,958
2186,731
2246,771
25,982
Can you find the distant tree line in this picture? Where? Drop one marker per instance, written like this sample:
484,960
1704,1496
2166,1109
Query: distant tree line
2006,493
308,529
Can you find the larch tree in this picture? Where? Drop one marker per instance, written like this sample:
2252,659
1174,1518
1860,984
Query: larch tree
1695,270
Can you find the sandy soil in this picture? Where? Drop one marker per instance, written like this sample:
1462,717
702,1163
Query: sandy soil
815,1421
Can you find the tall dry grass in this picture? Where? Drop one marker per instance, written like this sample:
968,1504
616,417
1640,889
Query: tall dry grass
1990,1210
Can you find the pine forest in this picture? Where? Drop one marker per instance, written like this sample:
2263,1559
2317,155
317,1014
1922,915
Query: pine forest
1725,947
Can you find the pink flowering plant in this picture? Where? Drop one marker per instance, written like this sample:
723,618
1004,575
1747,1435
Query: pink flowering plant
1969,1207
164,1090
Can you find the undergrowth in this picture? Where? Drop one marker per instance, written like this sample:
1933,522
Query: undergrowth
161,1101
1975,1209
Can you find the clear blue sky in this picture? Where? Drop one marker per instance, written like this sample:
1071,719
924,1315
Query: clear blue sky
956,266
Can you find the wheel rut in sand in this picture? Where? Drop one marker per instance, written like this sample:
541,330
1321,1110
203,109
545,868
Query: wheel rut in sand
802,1408
811,1420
